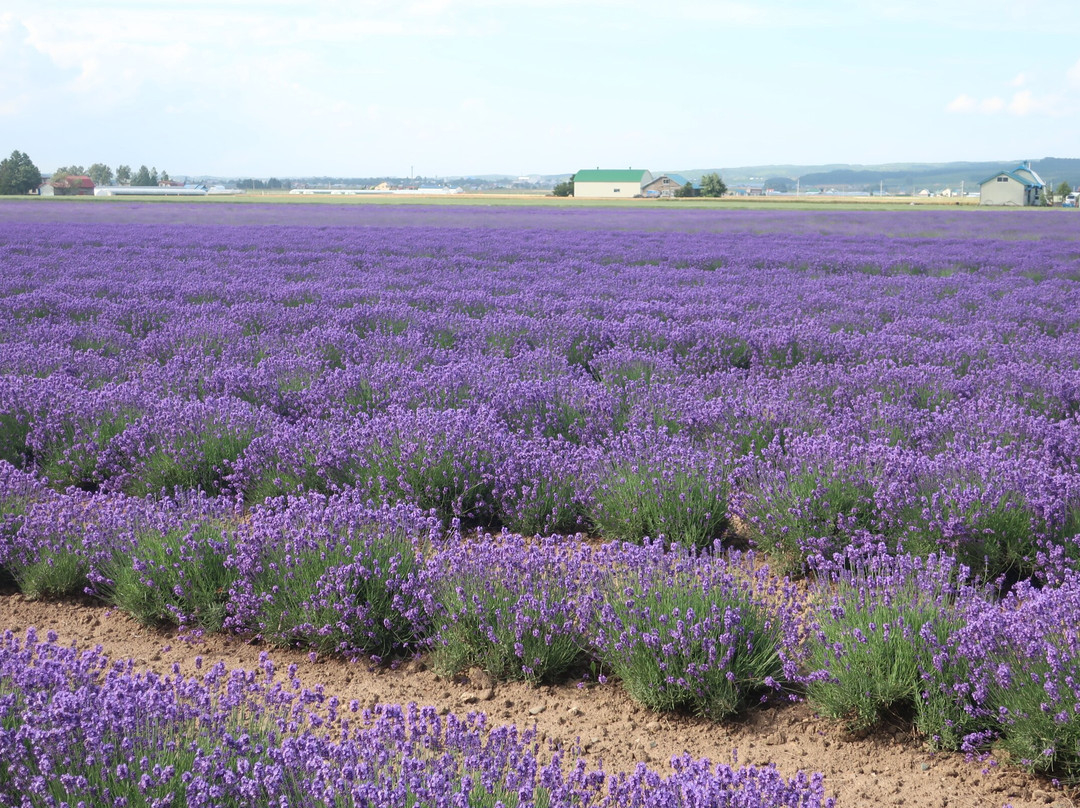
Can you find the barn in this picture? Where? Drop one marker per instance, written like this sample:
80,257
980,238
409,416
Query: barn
608,183
1020,187
71,185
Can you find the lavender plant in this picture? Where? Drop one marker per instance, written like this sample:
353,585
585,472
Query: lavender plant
683,630
516,608
1023,657
333,574
173,570
661,487
879,625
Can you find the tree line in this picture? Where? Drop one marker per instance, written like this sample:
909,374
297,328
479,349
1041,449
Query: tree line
101,174
19,175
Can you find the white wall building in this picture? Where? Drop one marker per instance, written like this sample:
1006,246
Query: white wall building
604,183
1021,186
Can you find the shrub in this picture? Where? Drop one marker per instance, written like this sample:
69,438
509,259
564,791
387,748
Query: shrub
332,574
173,570
544,486
513,607
656,486
683,630
49,554
798,507
1024,658
879,621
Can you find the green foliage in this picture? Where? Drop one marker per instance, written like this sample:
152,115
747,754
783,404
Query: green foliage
71,458
686,190
712,185
685,505
808,510
204,467
14,429
55,573
177,577
145,177
123,175
18,174
482,632
341,595
876,637
565,188
690,642
100,173
67,171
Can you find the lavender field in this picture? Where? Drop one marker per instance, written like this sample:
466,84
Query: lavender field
716,457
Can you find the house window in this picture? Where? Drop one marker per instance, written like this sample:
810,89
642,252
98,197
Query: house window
1003,179
616,190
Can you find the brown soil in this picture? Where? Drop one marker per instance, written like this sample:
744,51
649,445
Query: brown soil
891,767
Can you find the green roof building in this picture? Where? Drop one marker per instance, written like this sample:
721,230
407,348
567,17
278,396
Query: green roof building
610,183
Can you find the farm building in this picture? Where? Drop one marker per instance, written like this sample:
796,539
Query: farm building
666,185
1021,186
604,183
71,185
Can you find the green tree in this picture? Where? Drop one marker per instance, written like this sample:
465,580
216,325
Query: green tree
712,185
100,173
565,188
164,176
123,175
1062,191
686,190
142,177
18,174
67,171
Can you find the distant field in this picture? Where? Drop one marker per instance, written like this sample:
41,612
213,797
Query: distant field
524,199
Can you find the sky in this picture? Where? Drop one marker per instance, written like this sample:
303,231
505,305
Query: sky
357,88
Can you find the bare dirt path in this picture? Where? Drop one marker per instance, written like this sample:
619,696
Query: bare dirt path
889,768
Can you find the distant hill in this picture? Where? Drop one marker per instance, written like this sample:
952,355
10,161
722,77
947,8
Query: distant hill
903,176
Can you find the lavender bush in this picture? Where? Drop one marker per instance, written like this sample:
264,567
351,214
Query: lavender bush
518,609
879,622
332,574
688,631
664,488
1022,660
173,567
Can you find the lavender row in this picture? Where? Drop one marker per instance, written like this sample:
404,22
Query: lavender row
76,728
341,575
875,634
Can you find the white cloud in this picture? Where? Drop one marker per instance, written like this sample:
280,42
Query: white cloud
962,103
1073,74
991,105
1024,103
1020,80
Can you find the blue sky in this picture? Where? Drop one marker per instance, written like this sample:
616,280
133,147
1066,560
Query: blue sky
454,87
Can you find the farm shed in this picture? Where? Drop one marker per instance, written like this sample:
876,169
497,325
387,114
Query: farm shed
1021,186
71,185
604,183
666,185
